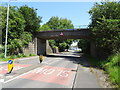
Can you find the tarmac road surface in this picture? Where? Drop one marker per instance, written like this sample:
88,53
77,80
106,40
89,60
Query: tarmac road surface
65,70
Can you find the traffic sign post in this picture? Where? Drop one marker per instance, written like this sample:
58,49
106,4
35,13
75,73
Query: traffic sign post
41,58
10,66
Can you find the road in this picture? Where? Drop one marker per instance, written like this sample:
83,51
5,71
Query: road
65,70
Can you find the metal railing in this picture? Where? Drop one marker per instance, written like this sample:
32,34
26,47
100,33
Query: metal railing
80,26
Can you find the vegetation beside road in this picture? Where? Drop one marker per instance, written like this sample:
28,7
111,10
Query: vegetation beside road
111,66
14,56
56,23
23,23
105,26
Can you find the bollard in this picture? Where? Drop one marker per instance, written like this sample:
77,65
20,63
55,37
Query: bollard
10,66
41,58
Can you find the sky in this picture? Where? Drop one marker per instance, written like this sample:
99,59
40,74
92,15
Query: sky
77,12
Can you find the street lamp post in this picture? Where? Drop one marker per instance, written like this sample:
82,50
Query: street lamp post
6,31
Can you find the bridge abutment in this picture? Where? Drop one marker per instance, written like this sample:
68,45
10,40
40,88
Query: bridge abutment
43,36
93,48
41,46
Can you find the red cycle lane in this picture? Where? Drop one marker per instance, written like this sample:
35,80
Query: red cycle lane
50,74
4,68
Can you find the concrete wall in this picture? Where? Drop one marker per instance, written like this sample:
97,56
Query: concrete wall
67,34
31,48
55,50
42,47
38,47
48,48
93,49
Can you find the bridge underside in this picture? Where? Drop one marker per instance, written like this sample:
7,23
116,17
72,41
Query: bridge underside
43,36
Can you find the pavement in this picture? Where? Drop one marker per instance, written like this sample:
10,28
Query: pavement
64,70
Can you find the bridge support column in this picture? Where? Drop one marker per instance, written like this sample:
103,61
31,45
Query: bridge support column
93,49
41,46
48,48
35,45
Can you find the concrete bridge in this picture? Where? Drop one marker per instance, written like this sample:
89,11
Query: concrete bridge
40,43
64,34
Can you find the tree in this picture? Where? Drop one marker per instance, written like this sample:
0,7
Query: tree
16,27
17,37
106,26
32,21
44,27
108,10
56,23
62,46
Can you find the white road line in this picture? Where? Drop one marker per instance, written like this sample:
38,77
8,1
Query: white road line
3,63
50,62
19,76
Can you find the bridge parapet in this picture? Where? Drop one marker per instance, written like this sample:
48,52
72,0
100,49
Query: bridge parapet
64,34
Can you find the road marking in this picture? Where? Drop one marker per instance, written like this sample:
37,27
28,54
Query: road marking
4,69
17,77
50,62
47,71
50,74
63,74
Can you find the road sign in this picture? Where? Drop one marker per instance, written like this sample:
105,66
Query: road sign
10,61
4,68
10,65
61,34
41,58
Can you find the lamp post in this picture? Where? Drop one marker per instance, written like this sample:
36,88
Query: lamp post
6,30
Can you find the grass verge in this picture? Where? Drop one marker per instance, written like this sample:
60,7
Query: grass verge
111,65
14,56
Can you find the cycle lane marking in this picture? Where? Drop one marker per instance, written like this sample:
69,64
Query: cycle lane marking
50,74
4,69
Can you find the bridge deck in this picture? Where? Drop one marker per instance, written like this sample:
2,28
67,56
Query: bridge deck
64,34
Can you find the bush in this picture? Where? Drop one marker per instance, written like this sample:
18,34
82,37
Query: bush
62,46
2,55
19,55
105,26
112,66
13,56
4,59
23,55
32,55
